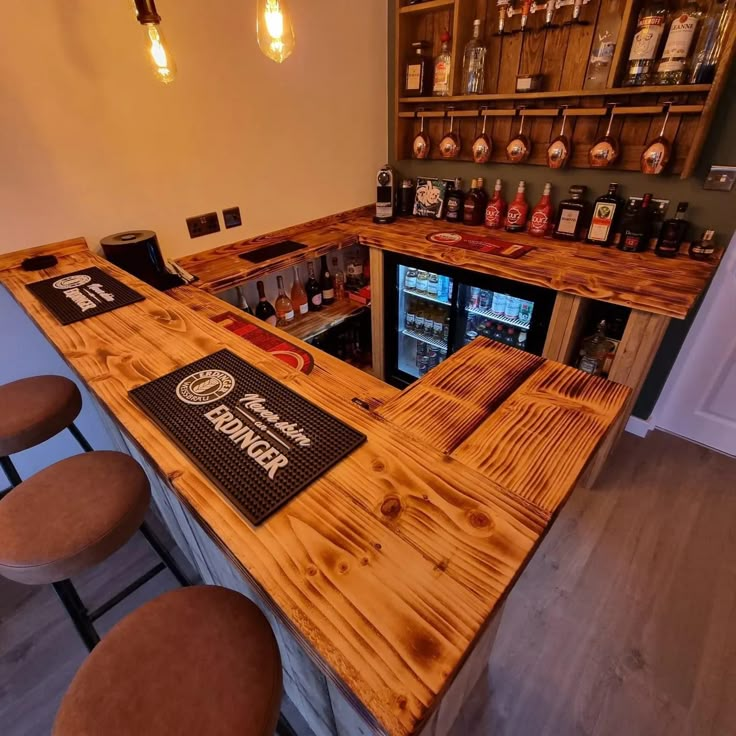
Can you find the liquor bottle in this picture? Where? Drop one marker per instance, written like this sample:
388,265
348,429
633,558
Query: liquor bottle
684,23
442,68
646,43
474,63
573,216
472,211
242,301
483,202
518,211
711,41
314,293
604,46
418,72
339,277
455,202
496,209
606,214
326,284
355,272
594,351
703,249
673,232
542,220
298,295
284,307
636,226
410,281
265,310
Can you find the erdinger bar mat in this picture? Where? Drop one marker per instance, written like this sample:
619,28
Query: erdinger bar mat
82,294
257,441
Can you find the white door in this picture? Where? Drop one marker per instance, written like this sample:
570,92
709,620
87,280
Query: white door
699,400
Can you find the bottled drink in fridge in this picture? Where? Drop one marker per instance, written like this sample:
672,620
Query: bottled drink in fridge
299,295
474,63
646,43
410,282
314,292
711,41
433,285
327,284
265,310
284,307
422,282
409,315
521,340
681,34
510,338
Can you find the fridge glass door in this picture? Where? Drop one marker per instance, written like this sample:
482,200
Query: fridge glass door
423,316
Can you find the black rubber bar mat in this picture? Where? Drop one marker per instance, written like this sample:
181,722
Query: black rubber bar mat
272,251
82,294
256,440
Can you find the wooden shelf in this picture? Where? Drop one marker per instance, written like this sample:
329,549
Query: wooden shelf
427,7
315,323
682,89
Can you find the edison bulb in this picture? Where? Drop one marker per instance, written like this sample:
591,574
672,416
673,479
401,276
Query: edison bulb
275,29
162,62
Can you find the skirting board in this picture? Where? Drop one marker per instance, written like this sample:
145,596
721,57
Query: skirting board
640,427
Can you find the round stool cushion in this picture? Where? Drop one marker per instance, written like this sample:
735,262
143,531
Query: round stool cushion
71,516
199,660
35,409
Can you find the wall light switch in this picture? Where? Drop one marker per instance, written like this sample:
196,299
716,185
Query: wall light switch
721,178
232,218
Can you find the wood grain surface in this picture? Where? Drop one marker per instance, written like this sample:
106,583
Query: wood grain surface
642,281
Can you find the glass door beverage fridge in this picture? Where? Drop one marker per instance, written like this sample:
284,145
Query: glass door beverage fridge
433,310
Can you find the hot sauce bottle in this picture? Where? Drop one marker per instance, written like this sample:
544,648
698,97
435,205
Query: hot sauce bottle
518,212
542,215
496,209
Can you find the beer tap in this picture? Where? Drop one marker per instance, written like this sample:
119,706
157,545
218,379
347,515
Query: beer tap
524,11
504,7
550,6
577,6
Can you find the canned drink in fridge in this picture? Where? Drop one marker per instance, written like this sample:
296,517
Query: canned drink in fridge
474,297
525,310
423,365
513,307
498,306
484,301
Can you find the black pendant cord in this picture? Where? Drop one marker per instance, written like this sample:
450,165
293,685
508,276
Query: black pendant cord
145,11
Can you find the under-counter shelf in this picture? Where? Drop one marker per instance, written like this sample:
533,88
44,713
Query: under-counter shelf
312,324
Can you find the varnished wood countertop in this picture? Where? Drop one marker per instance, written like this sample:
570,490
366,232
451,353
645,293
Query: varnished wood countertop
388,567
642,281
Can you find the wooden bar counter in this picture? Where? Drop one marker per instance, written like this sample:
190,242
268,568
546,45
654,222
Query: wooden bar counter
384,578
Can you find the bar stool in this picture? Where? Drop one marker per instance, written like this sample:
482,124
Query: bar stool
199,660
71,516
34,410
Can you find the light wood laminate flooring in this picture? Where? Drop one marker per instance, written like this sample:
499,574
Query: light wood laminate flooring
622,624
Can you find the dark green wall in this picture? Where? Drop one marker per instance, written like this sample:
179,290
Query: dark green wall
715,210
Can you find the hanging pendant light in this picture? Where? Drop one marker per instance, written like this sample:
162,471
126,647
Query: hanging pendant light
162,62
275,29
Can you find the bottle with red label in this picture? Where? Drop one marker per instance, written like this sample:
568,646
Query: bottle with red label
542,220
496,209
518,212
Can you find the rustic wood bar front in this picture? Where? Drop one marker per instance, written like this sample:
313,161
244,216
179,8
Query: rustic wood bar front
385,578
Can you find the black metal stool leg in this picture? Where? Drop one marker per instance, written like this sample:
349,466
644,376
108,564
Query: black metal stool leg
11,473
164,554
78,613
79,437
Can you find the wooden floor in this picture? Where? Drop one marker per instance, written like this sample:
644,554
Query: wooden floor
624,624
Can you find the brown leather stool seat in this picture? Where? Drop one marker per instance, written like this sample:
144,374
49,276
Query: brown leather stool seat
33,410
198,660
71,516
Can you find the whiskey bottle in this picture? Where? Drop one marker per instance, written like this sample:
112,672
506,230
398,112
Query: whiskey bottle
496,209
684,23
474,63
573,216
518,211
314,293
673,232
284,307
646,43
636,225
265,310
442,68
299,295
327,284
606,214
418,72
594,351
455,202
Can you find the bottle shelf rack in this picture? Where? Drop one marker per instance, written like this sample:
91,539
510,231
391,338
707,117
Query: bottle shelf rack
502,318
439,344
427,297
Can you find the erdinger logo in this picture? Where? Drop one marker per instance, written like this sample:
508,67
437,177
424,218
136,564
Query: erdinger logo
72,282
204,387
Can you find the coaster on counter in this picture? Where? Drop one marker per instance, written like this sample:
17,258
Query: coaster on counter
82,294
256,440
